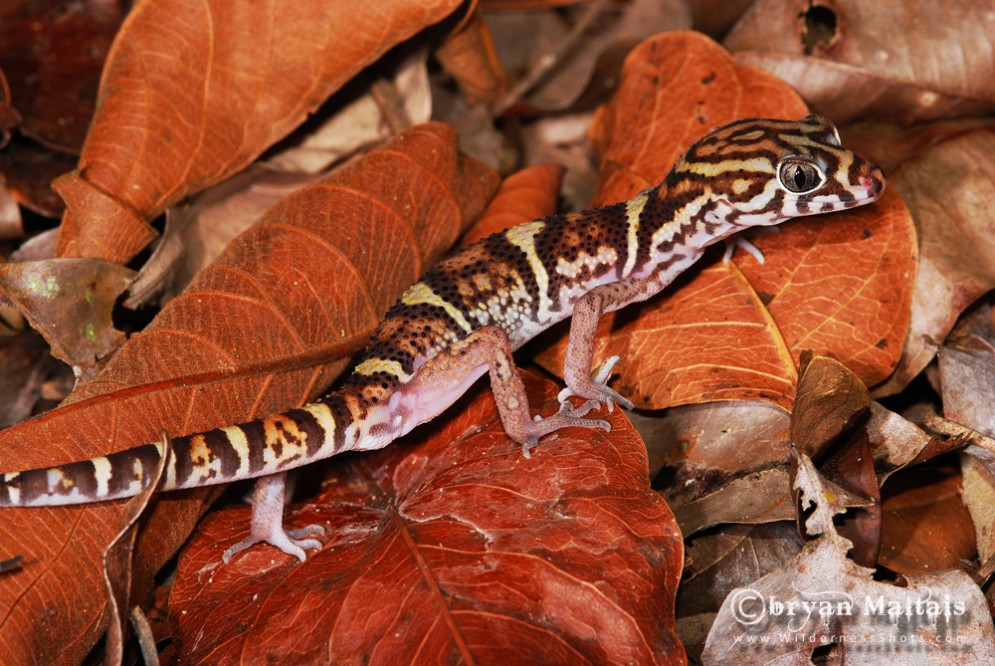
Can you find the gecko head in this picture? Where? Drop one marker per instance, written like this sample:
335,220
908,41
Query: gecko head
760,172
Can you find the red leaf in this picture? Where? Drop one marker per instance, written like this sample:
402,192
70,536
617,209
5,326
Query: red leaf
452,545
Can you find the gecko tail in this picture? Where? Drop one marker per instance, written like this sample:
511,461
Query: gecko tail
121,474
246,451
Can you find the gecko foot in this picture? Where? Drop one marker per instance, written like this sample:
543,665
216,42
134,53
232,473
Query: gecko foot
742,241
569,418
596,391
289,541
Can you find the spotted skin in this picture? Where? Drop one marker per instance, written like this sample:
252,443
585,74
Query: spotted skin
466,316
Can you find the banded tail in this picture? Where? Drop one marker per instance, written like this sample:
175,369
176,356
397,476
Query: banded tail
250,450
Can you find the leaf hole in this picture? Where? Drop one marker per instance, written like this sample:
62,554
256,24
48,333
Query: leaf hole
821,24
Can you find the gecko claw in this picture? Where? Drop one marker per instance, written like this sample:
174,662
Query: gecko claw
289,541
597,390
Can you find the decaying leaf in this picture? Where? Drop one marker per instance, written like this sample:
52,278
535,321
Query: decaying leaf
909,61
823,601
70,302
454,547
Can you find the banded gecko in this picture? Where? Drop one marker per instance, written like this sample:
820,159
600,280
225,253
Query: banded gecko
467,315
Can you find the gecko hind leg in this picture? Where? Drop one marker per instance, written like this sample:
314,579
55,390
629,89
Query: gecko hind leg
442,379
267,522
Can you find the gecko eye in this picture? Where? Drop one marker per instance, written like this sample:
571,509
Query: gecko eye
800,176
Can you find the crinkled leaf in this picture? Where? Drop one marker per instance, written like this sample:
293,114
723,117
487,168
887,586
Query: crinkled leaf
451,546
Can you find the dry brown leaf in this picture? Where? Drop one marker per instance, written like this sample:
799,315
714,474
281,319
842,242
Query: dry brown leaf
70,302
526,195
28,170
829,400
894,59
824,601
266,327
949,188
978,492
716,563
52,54
468,55
926,525
179,114
25,364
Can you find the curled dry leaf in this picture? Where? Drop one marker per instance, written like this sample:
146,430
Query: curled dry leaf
907,61
939,617
834,284
70,302
949,188
469,57
453,547
525,195
265,327
176,115
829,399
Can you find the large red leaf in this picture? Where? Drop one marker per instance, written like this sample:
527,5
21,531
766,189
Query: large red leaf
266,326
194,91
451,547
